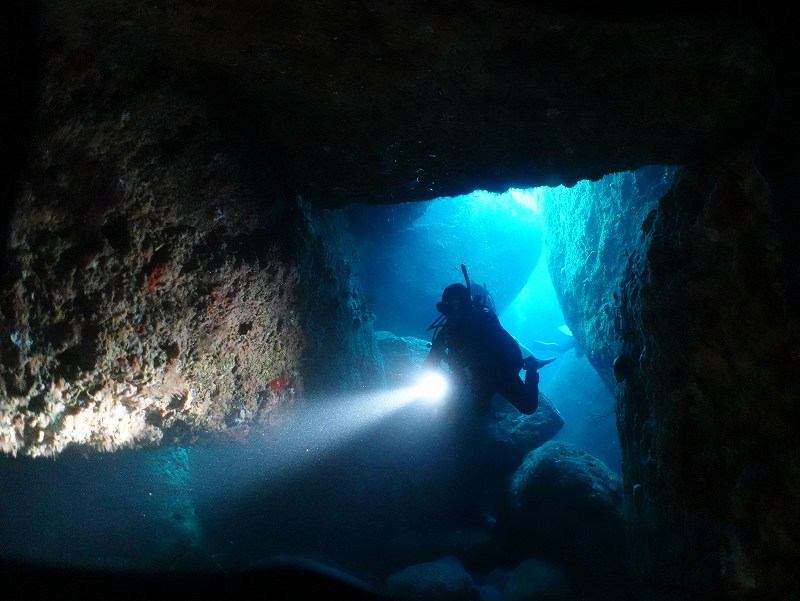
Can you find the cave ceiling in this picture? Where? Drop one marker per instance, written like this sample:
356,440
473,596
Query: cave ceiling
392,102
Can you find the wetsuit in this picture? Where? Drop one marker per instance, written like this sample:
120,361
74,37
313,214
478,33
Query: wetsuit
476,347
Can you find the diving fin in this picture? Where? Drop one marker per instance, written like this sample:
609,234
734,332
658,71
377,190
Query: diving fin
535,364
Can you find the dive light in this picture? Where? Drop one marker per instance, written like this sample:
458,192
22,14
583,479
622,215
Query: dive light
432,386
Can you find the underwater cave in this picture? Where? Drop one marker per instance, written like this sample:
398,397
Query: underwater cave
225,232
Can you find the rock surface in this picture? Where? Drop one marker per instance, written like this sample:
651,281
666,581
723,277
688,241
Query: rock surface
441,580
569,505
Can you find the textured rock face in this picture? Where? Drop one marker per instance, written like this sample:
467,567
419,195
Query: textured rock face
591,230
708,410
158,239
683,303
441,579
569,503
405,101
158,328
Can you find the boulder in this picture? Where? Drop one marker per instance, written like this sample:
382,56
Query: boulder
568,506
441,580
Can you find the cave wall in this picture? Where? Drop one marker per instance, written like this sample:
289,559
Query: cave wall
411,100
155,241
157,286
706,412
590,230
678,290
341,352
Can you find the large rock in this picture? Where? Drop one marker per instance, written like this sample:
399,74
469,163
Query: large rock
440,580
512,435
591,229
401,102
569,507
147,323
534,579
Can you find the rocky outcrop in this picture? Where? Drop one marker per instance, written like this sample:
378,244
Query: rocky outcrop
707,413
158,325
536,579
591,229
564,539
408,101
441,580
569,507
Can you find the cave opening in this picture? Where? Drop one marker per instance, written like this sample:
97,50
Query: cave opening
512,243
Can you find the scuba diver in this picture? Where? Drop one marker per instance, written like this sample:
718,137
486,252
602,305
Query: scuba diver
480,353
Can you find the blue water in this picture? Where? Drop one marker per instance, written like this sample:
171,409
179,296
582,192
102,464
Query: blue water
346,499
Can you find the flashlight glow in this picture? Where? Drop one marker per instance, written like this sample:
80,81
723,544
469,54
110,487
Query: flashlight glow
432,387
305,435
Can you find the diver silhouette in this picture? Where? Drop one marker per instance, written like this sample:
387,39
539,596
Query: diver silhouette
479,353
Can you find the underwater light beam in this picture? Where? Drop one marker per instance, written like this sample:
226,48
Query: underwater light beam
323,425
307,435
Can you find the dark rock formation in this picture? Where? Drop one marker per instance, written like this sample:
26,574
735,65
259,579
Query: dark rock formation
444,579
533,578
569,506
170,272
708,412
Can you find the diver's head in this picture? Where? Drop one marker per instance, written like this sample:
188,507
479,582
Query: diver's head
455,300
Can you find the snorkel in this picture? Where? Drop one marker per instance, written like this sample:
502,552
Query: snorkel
466,279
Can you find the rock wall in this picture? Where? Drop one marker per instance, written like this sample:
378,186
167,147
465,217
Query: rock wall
158,289
706,414
416,100
341,352
591,228
679,296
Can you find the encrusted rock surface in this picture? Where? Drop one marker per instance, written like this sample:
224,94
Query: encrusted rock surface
708,409
570,505
591,229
